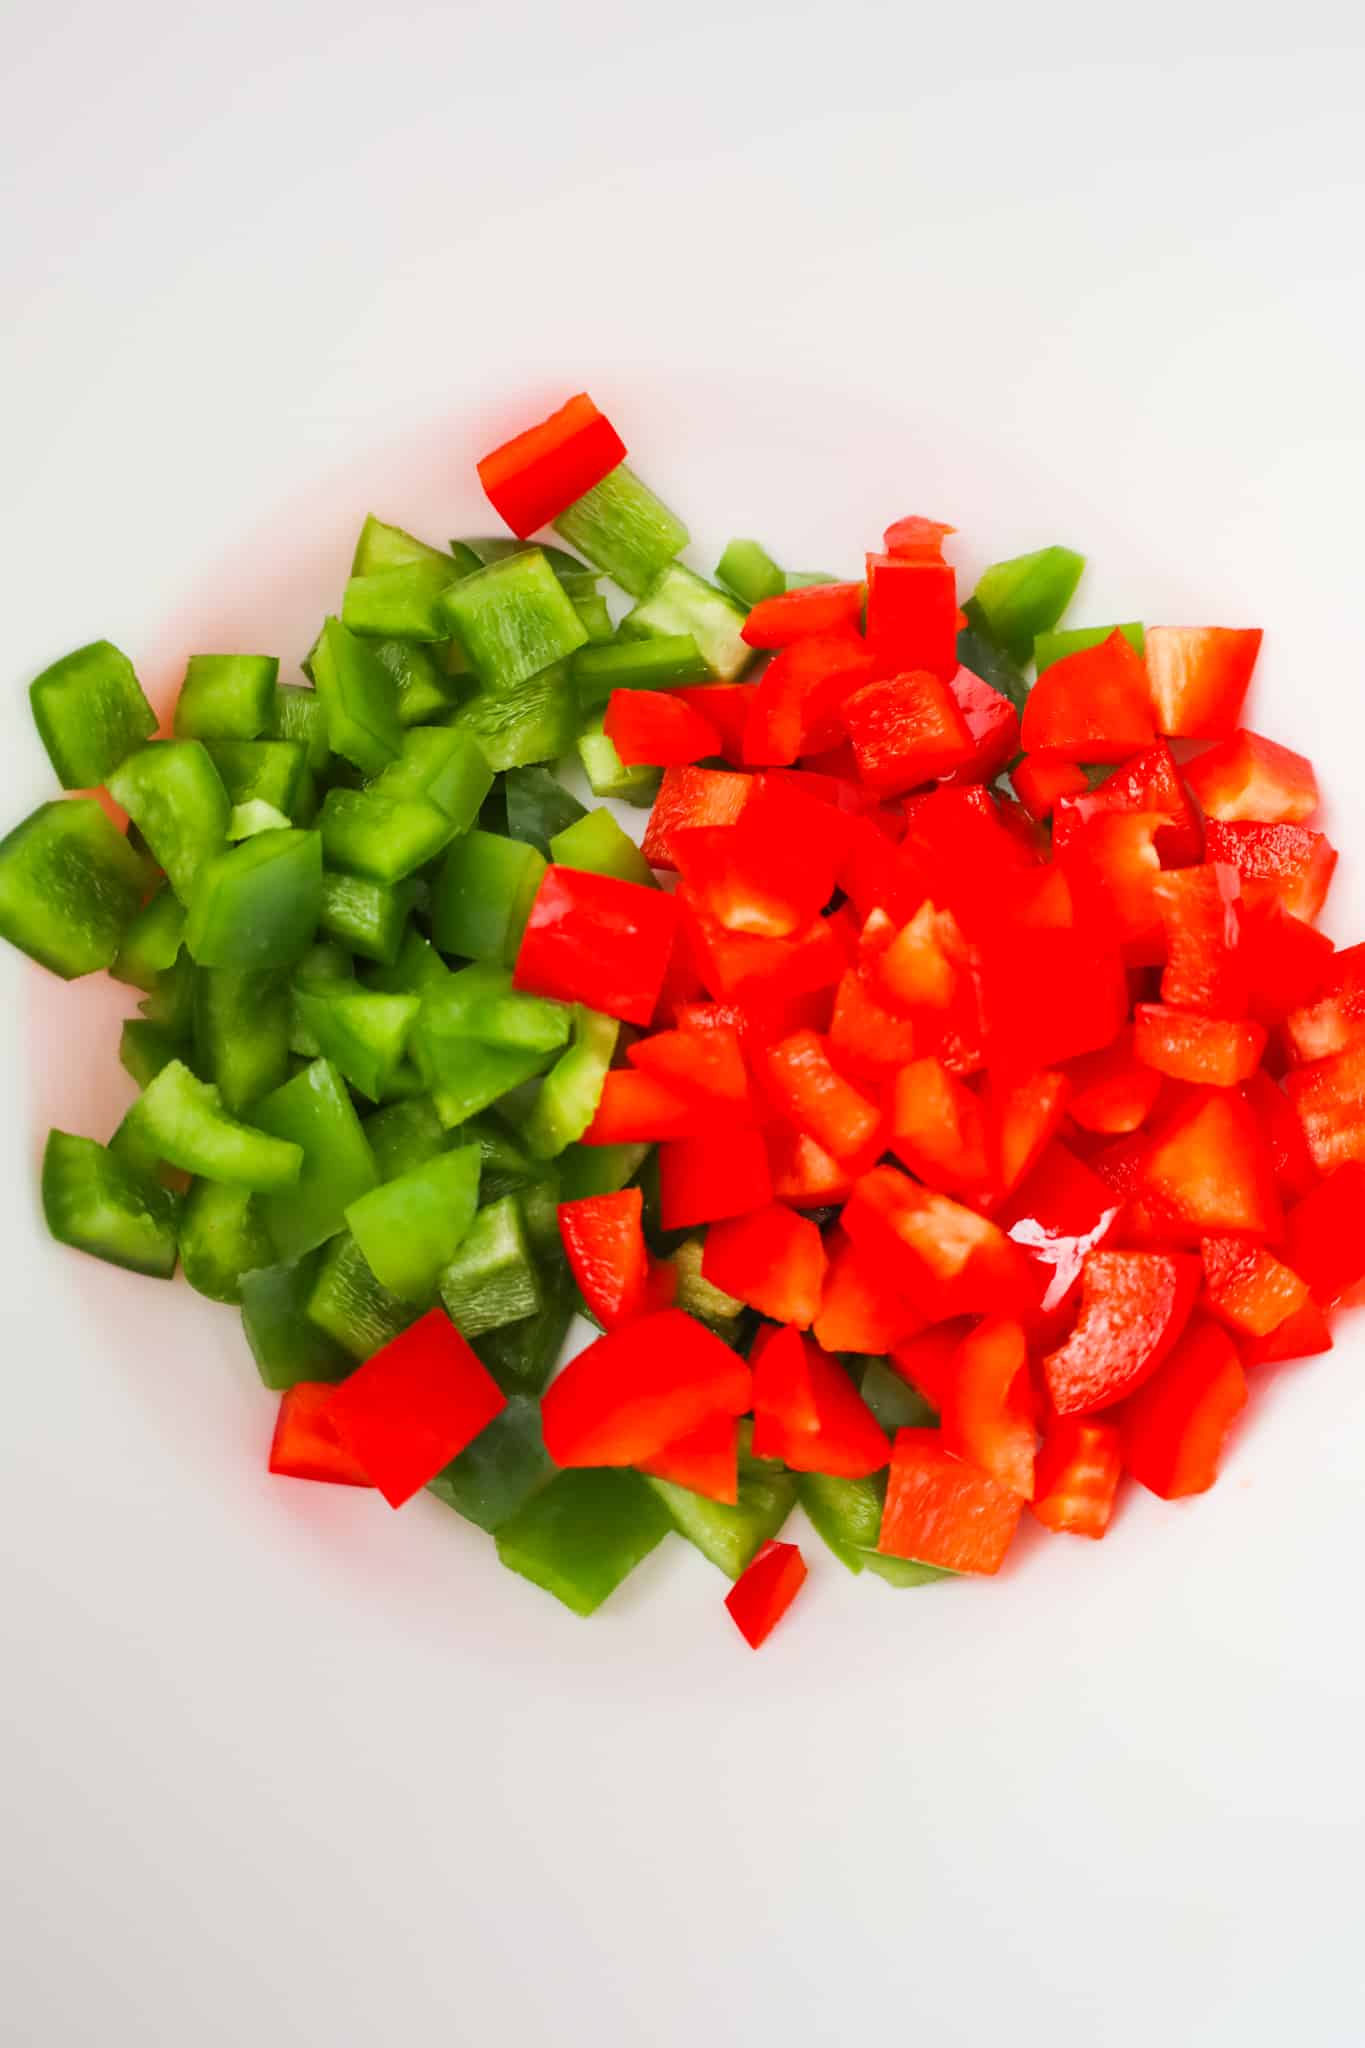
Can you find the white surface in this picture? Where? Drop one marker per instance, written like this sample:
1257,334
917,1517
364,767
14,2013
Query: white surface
282,1768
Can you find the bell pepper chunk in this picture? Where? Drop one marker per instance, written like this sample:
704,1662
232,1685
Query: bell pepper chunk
1286,1141
1022,1118
259,904
503,1468
1112,1092
858,1311
916,538
683,602
1113,868
704,1179
1042,780
705,1461
945,1258
95,1202
604,1241
1249,1289
648,726
181,1119
780,620
912,616
807,1411
1055,646
707,1068
1077,996
594,940
641,1388
770,874
1091,706
993,724
1209,1168
1215,1052
638,1108
1254,780
410,1227
1206,968
537,475
70,887
513,620
305,1444
987,1406
730,1535
758,1600
1286,864
744,968
1018,599
1059,1215
623,530
771,1259
941,1511
938,1128
1305,1335
285,1343
1134,1306
412,1407
1333,1017
750,573
91,713
1199,676
314,1112
582,1535
1076,1476
690,797
804,1082
907,730
1175,1429
175,796
926,1359
1329,1098
797,703
1324,1237
866,1036
1151,782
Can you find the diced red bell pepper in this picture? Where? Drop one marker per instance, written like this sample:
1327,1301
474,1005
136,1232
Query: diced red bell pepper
741,967
1290,1158
962,853
943,1512
938,1128
1217,1052
924,965
640,1109
1209,1169
916,539
987,1409
689,797
306,1445
1112,1092
704,1179
771,1259
772,871
413,1406
1206,968
805,1084
1329,1096
1077,995
634,1392
808,1413
993,724
912,616
945,1258
1113,866
765,1590
858,1311
1305,1335
655,728
1149,782
1076,1476
723,705
804,1174
1198,677
1061,1214
705,1461
1247,1288
1175,1428
797,614
604,1240
1022,1119
797,700
1248,777
864,1035
1042,780
925,1360
1286,864
596,940
1324,1237
784,1396
1288,962
1134,1306
535,476
682,984
906,730
1334,1017
874,875
1091,706
706,1067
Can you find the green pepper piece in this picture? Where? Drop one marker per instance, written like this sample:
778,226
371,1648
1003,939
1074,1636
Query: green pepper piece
512,619
350,1304
443,766
241,1031
182,1120
485,549
1050,647
480,1002
403,1083
92,1202
171,1003
697,1295
750,572
410,1228
506,1165
808,579
399,604
539,1201
366,917
221,1239
532,721
175,795
483,897
598,845
145,1048
608,774
1017,600
892,1400
571,1090
624,530
227,697
417,967
593,615
362,1032
285,1344
301,717
463,1074
731,1536
313,1110
259,904
978,652
426,690
521,1356
380,547
359,698
249,820
581,1535
505,1466
492,1278
91,713
538,806
598,1169
152,940
683,602
847,1514
382,837
405,1135
260,771
635,664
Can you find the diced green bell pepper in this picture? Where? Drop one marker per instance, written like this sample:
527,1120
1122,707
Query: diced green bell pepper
175,795
492,1278
1050,647
533,721
636,664
410,1228
506,1164
696,1294
399,604
598,845
1017,600
94,1203
978,652
681,602
505,1466
260,771
483,897
570,1092
624,530
405,1135
463,1074
512,619
221,1239
314,1111
249,820
301,716
386,838
350,1304
364,1033
593,616
359,697
750,572
259,904
91,713
847,1514
598,1169
480,1002
608,774
241,1031
539,1202
426,691
181,1119
145,1048
227,697
893,1400
581,1535
538,806
151,941
808,579
731,1537
485,549
440,765
171,1003
380,547
521,1356
417,967
367,917
285,1343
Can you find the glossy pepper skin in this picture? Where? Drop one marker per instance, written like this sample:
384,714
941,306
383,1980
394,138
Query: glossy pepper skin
1091,706
70,887
1076,1477
533,478
771,1259
943,1512
594,940
639,1389
91,713
1198,677
412,1407
759,1599
305,1444
987,1405
807,1412
604,1241
1254,779
1176,1427
1134,1306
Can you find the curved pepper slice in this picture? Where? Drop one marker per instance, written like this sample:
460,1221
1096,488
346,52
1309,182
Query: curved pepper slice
1286,864
657,729
943,1512
1175,1429
907,730
1042,780
797,614
1151,781
987,1405
692,796
706,1067
761,1596
1133,1307
641,1388
770,1258
1076,1476
1206,968
604,1241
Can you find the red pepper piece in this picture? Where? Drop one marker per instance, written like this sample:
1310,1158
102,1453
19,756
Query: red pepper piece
654,728
916,539
906,730
682,984
926,1359
1334,1017
1304,1335
1329,1096
864,1035
688,797
765,1590
804,1174
808,1413
946,1259
874,875
1112,1092
603,1237
759,875
703,1067
797,614
724,706
413,1406
1248,777
703,1179
1176,1427
993,724
1285,864
596,940
1206,968
1210,1171
1113,866
1288,963
1076,1476
1134,1306
534,477
1199,676
1290,1158
1061,1214
1077,995
1218,1052
858,1311
987,1406
1149,782
631,1394
796,703
771,1259
938,1128
639,1109
1091,706
705,1461
803,1081
742,967
943,1512
925,964
1042,780
912,616
305,1444
1324,1236
1022,1118
1247,1288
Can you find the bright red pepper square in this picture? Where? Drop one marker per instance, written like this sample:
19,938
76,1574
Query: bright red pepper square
596,940
414,1406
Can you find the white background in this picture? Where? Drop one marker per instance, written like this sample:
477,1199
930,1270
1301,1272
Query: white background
280,1767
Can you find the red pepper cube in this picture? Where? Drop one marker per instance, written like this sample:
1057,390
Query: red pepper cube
1206,967
1305,1335
764,1591
988,1404
925,1361
1022,1119
1076,1476
938,1128
1049,994
1042,780
413,1406
1134,1306
604,1242
1112,864
706,1067
1333,1016
534,477
1285,864
705,1461
771,1259
639,1109
858,1311
993,724
1209,1170
1175,1428
1198,677
1214,1052
912,616
798,698
907,730
943,1512
1325,1235
944,1257
704,1179
655,729
689,797
724,706
1149,782
1329,1096
808,1413
817,1099
595,940
1288,963
742,967
1254,779
1249,1289
1285,1139
1091,706
1059,1215
1112,1092
640,1389
305,1444
797,614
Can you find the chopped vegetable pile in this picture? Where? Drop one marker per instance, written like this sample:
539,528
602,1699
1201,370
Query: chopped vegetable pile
946,1111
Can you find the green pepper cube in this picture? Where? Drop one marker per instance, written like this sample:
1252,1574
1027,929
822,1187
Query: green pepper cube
386,838
608,774
538,806
570,1092
624,530
597,845
314,1111
145,1048
366,917
480,1002
593,615
70,887
581,1535
175,796
249,820
681,602
91,713
483,896
241,1031
181,1119
152,940
171,1003
1017,600
750,572
1050,647
533,721
598,1169
399,604
410,1228
260,771
892,1400
539,1201
381,547
440,765
507,1165
492,1279
731,1536
425,690
486,549
221,1239
285,1343
259,904
92,1202
351,1305
359,698
505,1466
637,664
364,1033
463,1075
512,620
405,1135
417,968
696,1294
521,1356
227,696
301,717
